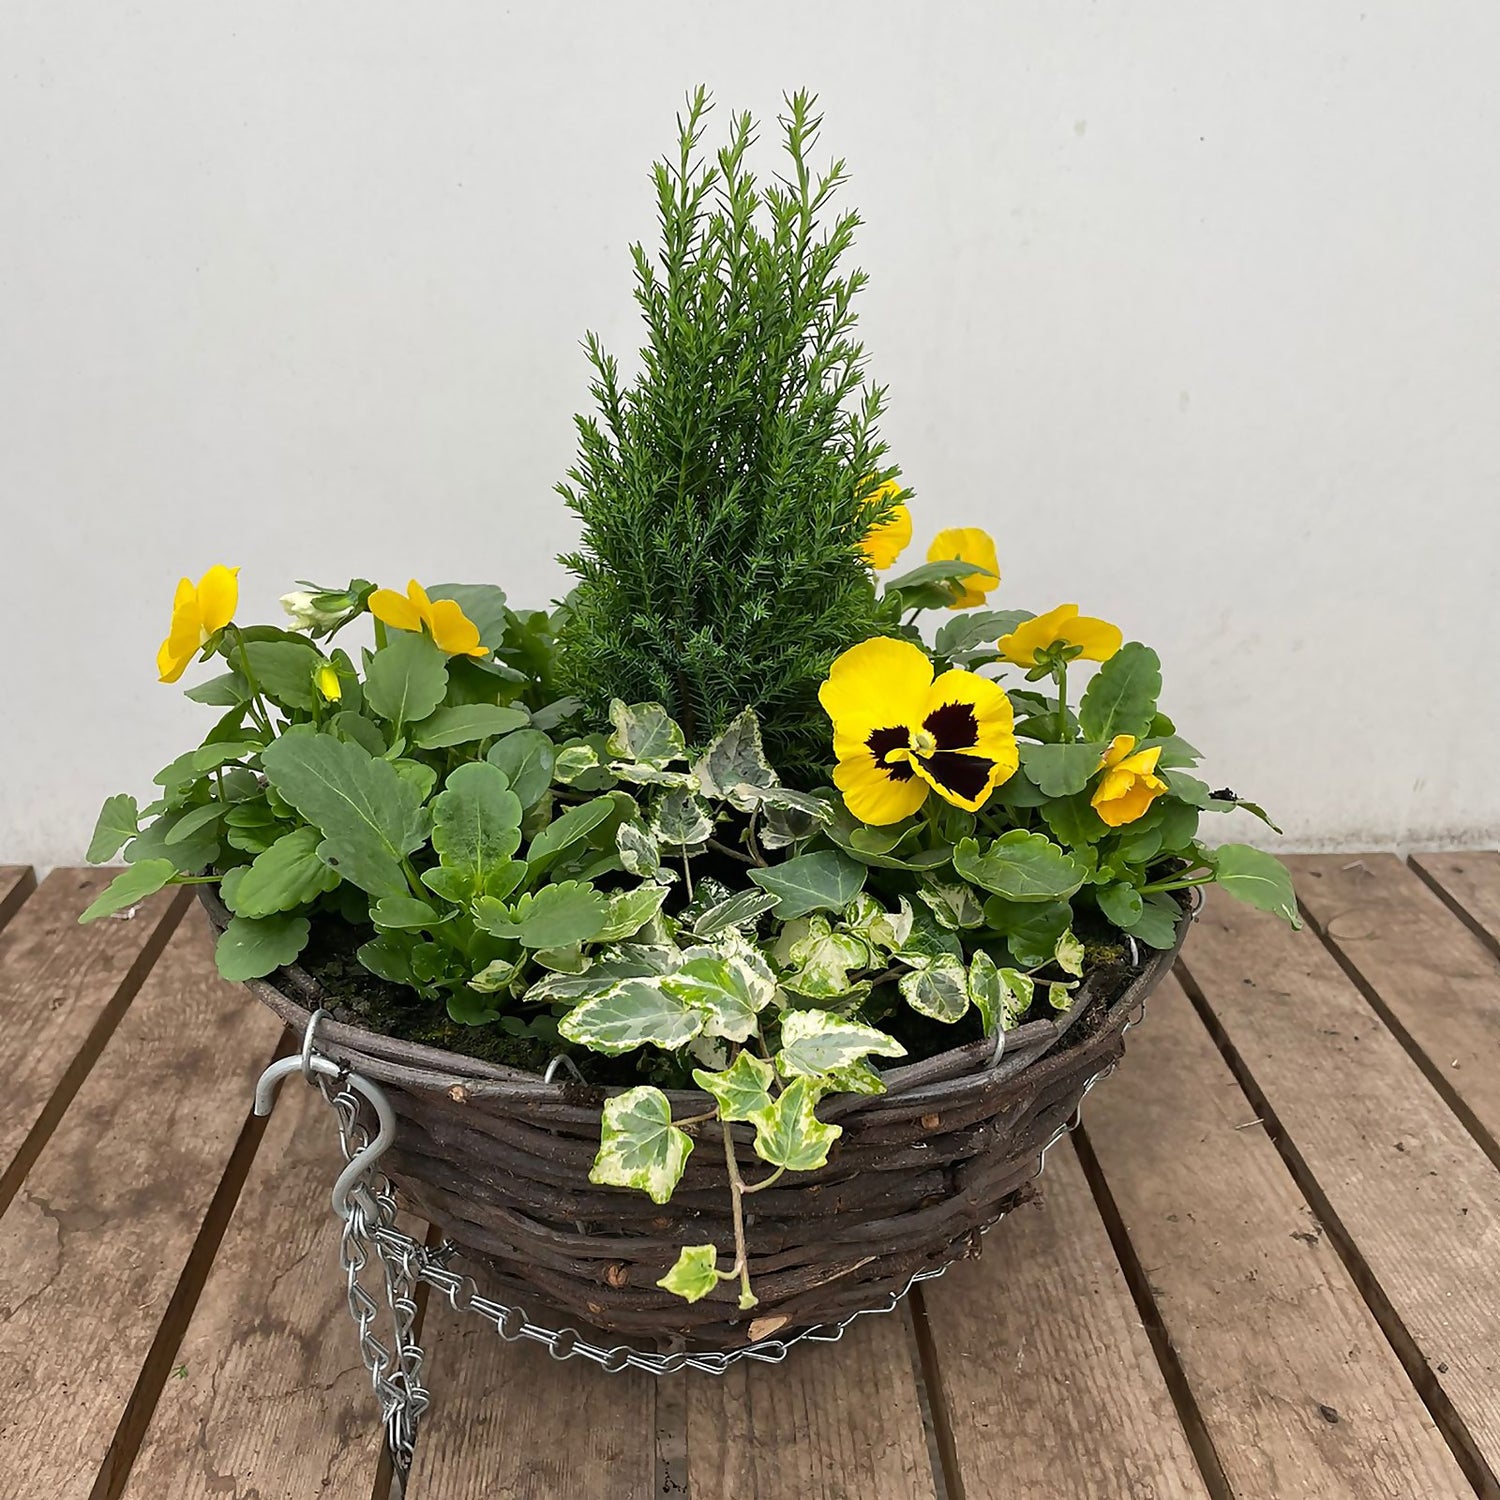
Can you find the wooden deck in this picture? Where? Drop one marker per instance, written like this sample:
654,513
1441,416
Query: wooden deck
1268,1265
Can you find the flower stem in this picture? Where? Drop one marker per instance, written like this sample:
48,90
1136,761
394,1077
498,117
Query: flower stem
1063,736
257,703
1178,885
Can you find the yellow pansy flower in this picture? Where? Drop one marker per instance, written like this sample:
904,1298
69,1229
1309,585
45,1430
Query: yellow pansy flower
884,543
898,733
1129,784
198,610
326,680
451,629
1097,639
968,544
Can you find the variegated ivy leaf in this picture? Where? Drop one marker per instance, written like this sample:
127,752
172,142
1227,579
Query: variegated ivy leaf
574,761
819,958
730,991
1068,954
642,774
681,820
738,910
940,988
789,1134
734,766
814,1043
955,905
742,1090
781,827
1060,996
494,976
987,991
630,1014
879,927
857,1078
745,796
694,1275
639,852
644,732
629,911
1020,989
639,1146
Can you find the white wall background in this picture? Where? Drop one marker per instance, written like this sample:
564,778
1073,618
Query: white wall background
1195,306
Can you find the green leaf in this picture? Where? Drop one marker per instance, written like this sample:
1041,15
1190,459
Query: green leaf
1031,929
694,1274
369,817
1158,922
1020,866
1068,954
1175,751
730,990
287,874
224,691
1122,697
819,959
525,758
736,758
557,713
1253,876
556,916
476,825
250,949
813,1043
986,990
1061,770
194,820
472,1007
196,764
494,976
644,732
1220,803
565,831
826,881
132,884
365,733
630,1014
639,1146
954,904
189,856
743,1090
939,989
404,914
119,822
936,572
681,820
880,928
629,911
283,670
790,1135
1121,904
1059,996
977,627
406,679
445,727
638,851
483,604
1188,788
738,910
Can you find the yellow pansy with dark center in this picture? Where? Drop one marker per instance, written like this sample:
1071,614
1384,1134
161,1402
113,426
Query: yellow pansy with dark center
899,734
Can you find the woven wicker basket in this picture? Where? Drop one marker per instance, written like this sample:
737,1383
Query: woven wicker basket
499,1160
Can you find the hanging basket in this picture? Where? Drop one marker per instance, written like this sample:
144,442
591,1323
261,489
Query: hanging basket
499,1159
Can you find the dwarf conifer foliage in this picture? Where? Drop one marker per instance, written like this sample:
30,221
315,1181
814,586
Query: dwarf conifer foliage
724,493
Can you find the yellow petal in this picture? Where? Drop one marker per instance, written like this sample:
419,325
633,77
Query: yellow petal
969,544
1143,762
986,700
876,683
884,543
395,610
1031,636
1129,803
873,796
452,630
1118,749
171,664
1099,639
326,678
218,595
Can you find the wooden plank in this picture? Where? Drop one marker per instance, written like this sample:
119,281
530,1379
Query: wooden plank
509,1420
833,1422
267,1394
63,989
94,1245
1469,885
17,882
1390,1169
1045,1374
1426,974
1298,1390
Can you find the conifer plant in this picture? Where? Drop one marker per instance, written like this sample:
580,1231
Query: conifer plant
733,816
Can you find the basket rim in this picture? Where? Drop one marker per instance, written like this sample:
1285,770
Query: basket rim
295,995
